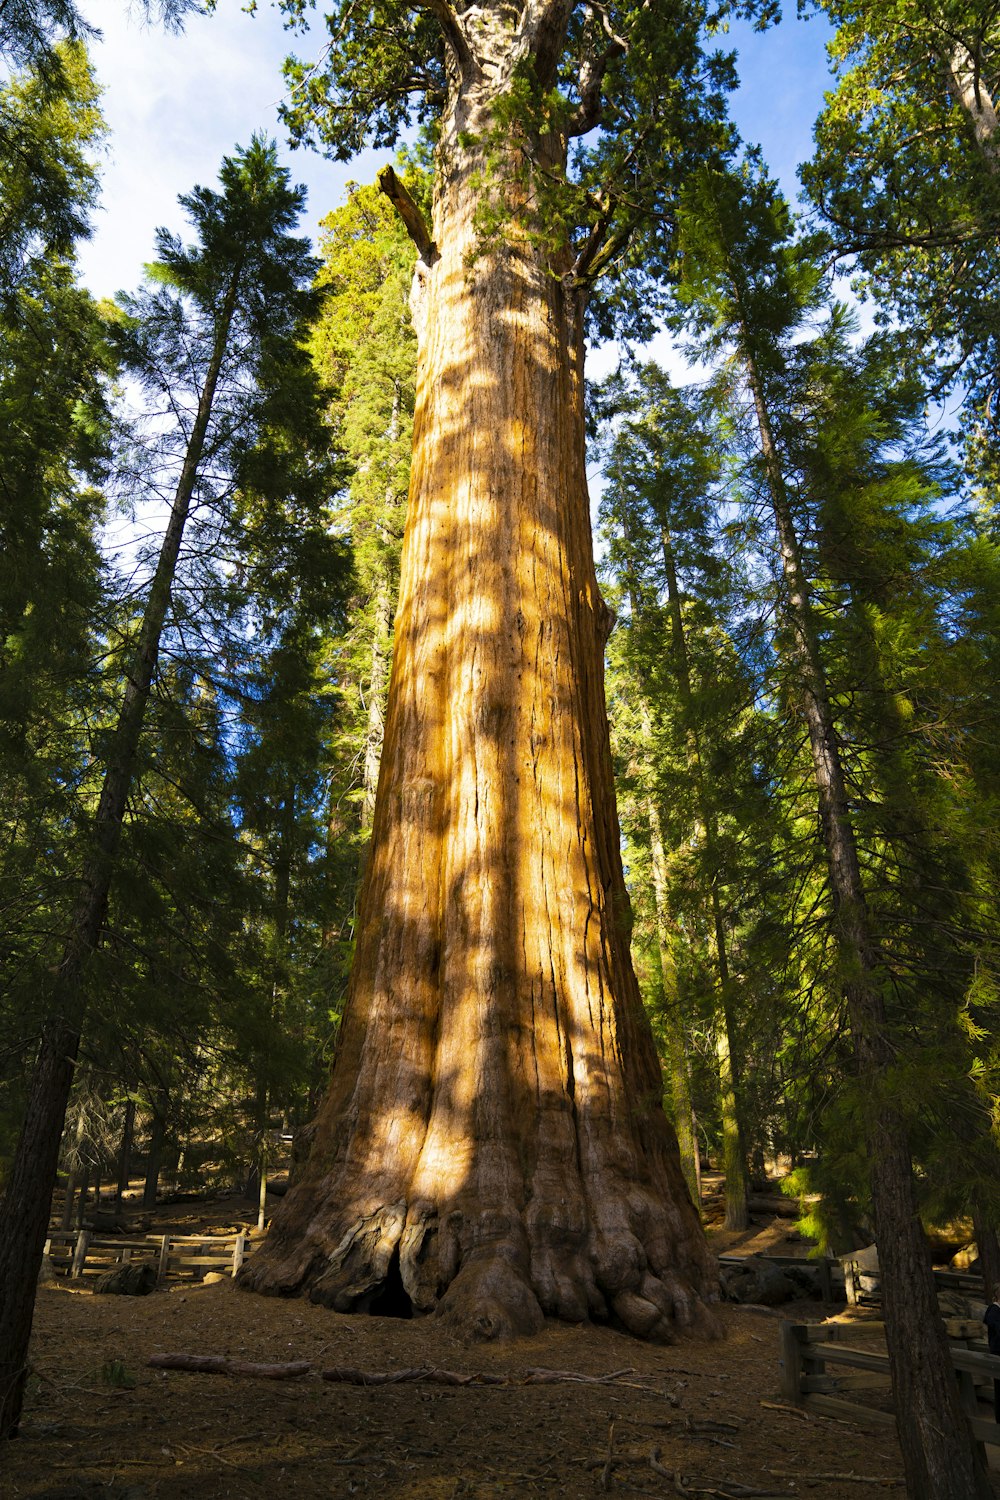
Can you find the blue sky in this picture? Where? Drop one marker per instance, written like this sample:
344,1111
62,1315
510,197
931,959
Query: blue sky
176,104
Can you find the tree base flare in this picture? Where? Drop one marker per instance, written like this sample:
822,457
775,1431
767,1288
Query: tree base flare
484,1286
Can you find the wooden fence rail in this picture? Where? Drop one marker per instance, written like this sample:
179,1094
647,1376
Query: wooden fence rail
77,1253
861,1280
808,1350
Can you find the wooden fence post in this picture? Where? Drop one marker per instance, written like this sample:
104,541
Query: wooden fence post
791,1361
80,1253
967,1392
850,1282
825,1281
239,1251
161,1269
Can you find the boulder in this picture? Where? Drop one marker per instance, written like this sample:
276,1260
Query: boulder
806,1278
759,1282
136,1278
773,1286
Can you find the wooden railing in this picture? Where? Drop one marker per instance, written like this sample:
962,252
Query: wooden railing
77,1253
817,1368
855,1275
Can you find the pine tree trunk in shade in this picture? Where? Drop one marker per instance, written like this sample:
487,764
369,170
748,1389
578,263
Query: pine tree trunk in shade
492,1145
733,1158
154,1157
125,1155
940,1459
73,1175
26,1201
677,1061
988,1246
69,1197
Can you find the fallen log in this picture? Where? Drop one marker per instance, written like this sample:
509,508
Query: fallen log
220,1364
768,1203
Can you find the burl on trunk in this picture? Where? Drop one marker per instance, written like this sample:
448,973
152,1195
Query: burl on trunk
492,1145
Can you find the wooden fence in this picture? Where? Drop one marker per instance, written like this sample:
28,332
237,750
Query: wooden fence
861,1281
817,1370
177,1257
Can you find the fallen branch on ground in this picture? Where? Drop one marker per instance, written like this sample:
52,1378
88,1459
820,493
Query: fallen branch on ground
850,1478
610,1461
723,1489
348,1375
220,1364
793,1411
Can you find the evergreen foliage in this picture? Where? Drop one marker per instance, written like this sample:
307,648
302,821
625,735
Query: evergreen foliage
238,453
365,352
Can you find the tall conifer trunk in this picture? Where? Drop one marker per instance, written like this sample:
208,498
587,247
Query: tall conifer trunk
733,1143
939,1458
492,1144
26,1200
675,1042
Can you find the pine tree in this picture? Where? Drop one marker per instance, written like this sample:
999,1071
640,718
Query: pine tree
54,362
365,352
749,290
661,471
224,320
726,877
907,171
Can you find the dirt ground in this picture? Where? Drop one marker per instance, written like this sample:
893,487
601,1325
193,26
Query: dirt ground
99,1421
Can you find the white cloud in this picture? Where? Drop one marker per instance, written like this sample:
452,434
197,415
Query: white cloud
175,105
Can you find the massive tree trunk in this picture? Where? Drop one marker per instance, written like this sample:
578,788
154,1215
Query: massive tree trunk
492,1145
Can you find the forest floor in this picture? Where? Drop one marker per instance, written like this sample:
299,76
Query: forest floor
99,1421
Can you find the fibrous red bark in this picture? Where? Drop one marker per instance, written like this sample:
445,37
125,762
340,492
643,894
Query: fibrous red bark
492,1145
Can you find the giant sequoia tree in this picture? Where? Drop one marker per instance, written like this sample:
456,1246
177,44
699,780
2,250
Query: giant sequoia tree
492,1144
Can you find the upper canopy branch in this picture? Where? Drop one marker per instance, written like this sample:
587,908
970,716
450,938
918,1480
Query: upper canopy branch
454,33
541,35
593,66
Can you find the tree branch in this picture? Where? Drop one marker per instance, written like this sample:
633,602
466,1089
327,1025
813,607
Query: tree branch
592,70
541,36
454,34
416,226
